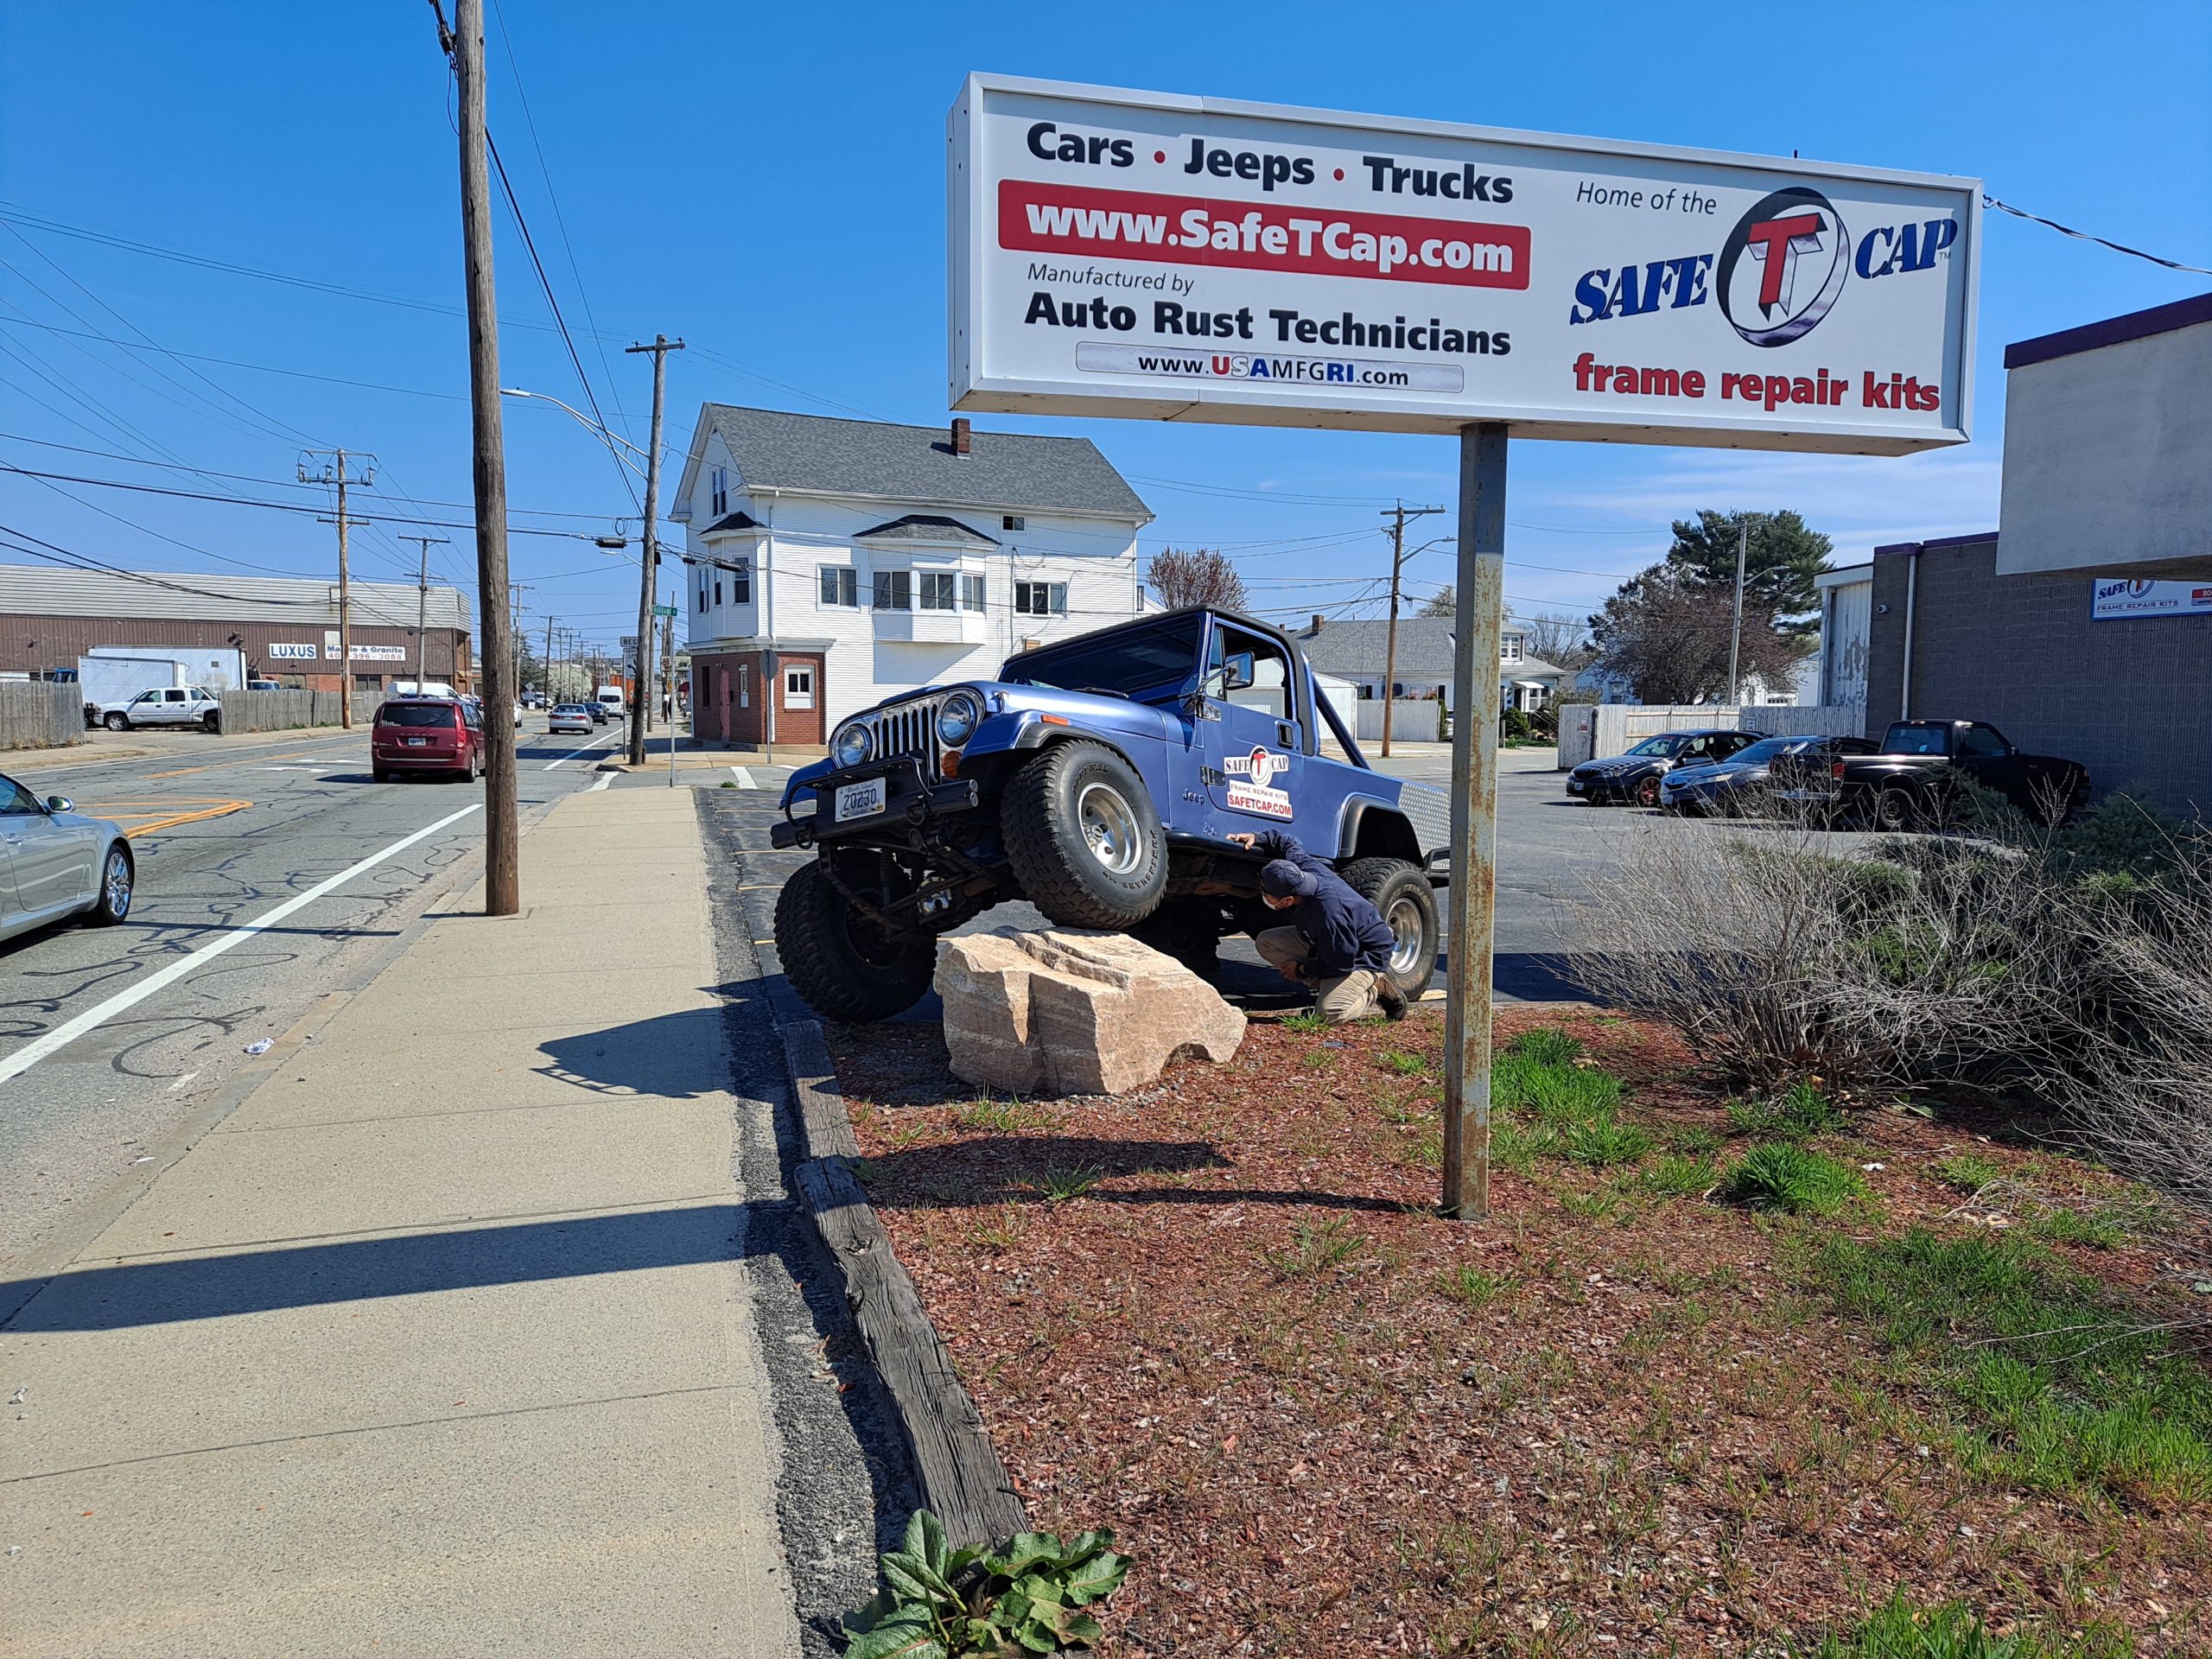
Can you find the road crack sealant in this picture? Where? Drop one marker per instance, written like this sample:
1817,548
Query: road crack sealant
846,1487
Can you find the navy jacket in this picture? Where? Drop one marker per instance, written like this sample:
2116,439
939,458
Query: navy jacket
1345,930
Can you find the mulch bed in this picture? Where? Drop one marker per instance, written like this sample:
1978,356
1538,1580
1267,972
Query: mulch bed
1220,1316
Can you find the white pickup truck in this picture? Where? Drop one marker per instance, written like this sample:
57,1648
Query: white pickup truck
176,705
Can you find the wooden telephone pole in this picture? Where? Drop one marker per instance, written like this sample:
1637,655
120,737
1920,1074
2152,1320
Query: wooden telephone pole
649,558
502,854
1398,515
423,602
333,472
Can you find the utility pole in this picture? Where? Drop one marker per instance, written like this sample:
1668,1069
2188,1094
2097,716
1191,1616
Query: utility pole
1398,515
423,601
515,591
333,472
545,663
649,574
502,854
1736,628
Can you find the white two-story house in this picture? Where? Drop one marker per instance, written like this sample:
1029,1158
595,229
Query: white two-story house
834,562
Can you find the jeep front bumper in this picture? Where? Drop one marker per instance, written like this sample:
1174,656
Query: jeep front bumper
875,799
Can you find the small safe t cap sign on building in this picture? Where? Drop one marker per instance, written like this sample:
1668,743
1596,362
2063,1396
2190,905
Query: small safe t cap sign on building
1165,258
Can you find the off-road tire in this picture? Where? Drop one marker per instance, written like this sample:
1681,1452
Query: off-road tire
836,962
1046,842
1188,929
116,722
1387,883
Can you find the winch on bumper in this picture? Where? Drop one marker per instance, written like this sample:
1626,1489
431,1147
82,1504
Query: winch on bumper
874,798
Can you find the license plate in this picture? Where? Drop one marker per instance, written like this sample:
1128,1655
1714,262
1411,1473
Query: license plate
416,743
862,800
1573,787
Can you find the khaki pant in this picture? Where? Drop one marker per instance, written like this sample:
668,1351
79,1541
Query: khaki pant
1339,1001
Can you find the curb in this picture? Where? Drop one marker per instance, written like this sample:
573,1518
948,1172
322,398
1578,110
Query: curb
962,1482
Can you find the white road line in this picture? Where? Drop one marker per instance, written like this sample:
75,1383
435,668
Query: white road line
744,778
605,778
67,1033
596,743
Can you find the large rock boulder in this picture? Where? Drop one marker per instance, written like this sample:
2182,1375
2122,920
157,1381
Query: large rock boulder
1067,1013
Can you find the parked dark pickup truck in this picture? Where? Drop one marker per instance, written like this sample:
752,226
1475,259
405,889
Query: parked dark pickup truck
1912,780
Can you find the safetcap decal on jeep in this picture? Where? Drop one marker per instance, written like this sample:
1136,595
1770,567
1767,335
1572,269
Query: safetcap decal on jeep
1260,766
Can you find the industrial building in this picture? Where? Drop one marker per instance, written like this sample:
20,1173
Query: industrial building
286,627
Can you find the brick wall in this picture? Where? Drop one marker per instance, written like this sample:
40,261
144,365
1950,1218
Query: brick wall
2131,700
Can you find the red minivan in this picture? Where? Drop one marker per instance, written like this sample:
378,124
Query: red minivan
442,734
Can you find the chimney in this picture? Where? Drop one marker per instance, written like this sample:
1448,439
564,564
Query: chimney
1318,620
962,442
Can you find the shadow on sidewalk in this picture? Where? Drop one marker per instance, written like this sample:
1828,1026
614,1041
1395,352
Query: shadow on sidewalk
669,1056
160,1292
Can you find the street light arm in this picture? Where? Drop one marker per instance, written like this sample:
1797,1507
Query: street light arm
605,436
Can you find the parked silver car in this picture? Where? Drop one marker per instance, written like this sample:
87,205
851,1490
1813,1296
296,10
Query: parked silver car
56,862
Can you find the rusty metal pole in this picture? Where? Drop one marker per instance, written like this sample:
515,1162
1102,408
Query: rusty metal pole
1471,908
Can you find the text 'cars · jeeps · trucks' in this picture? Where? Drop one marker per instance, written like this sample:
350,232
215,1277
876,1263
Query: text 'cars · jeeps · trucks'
1100,779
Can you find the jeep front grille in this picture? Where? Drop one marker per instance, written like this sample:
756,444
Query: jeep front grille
908,728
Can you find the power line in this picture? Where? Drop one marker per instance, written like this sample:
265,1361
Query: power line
1988,201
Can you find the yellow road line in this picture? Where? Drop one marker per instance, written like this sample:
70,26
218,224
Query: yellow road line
160,815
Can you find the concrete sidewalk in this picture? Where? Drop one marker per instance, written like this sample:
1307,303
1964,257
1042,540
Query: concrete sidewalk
440,1343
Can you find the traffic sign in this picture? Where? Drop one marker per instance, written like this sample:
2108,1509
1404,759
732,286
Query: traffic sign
663,610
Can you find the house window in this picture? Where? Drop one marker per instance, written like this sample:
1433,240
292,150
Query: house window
718,590
798,688
971,592
1509,648
702,593
840,585
1013,521
936,590
894,590
744,686
1040,597
740,584
722,491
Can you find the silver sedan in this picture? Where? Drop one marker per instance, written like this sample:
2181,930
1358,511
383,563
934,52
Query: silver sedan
55,862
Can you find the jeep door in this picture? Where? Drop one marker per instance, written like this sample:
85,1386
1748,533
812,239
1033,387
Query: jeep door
1251,740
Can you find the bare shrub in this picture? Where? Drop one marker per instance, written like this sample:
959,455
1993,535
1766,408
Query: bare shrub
1778,956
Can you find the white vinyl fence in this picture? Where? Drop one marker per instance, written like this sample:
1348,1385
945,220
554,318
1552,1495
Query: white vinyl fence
40,713
282,710
1413,720
1593,731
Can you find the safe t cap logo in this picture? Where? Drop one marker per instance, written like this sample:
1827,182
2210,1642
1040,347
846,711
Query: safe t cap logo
1262,765
1799,252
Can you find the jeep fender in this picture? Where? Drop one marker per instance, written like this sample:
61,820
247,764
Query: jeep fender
1372,828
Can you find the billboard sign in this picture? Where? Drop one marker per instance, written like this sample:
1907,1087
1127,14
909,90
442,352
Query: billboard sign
2119,598
294,652
1166,258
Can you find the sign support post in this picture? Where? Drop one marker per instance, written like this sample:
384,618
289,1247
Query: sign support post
1471,908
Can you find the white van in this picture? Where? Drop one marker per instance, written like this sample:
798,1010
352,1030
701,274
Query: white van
609,697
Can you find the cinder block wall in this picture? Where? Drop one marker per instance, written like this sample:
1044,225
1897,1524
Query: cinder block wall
2132,700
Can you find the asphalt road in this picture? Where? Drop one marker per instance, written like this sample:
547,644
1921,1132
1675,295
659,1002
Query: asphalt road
225,831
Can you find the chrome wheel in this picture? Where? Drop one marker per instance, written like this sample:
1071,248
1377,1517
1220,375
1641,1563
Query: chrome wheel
1109,828
1404,921
117,886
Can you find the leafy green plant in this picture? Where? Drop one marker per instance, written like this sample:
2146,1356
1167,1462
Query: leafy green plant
1799,1112
1780,1175
1317,1250
1547,1046
1557,1094
1514,1145
1694,1143
1001,1116
1306,1021
1028,1595
1605,1140
1967,1171
1899,1630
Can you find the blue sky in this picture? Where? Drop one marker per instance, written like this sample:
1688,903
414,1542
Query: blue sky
767,182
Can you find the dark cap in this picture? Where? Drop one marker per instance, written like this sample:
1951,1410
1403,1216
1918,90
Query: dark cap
1280,878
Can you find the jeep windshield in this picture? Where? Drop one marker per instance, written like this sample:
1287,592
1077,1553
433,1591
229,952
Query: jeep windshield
1137,663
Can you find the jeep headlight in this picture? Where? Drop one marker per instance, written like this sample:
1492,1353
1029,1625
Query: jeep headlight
957,719
852,743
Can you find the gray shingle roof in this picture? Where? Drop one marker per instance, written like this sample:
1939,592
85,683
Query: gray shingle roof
774,449
732,521
1354,650
928,527
44,590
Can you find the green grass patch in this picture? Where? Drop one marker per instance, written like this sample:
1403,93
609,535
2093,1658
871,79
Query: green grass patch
1546,1046
1000,1116
1798,1114
1782,1175
2065,1393
1513,1145
1900,1629
1679,1176
1405,1065
1306,1020
1605,1141
1965,1171
1471,1287
1556,1094
1316,1250
2064,1226
1057,1183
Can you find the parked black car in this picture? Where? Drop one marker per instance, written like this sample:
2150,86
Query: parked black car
1635,776
1744,782
1912,780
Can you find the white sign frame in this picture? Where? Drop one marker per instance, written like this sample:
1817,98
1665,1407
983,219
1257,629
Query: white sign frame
982,376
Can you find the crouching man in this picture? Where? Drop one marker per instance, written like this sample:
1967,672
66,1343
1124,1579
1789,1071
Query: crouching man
1335,942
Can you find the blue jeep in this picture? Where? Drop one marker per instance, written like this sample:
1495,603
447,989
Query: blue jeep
1100,779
